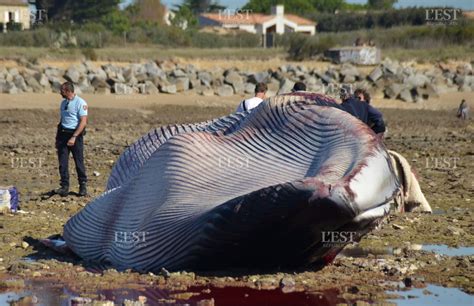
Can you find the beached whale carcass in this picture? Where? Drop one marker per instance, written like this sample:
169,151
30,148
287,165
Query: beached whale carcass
285,186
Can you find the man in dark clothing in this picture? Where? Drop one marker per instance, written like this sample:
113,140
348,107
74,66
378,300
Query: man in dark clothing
362,94
299,86
363,111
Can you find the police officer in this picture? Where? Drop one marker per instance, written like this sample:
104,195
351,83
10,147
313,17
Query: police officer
363,111
69,138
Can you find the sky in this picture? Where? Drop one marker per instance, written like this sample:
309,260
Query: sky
462,4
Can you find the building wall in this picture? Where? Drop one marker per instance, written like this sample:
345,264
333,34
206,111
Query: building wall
244,27
270,23
284,25
306,29
20,14
279,12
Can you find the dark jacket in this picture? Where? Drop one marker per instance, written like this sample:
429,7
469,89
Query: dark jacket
365,113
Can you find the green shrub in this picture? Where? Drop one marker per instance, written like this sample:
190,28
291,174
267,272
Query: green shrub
303,46
89,54
95,35
93,27
22,38
14,26
138,35
42,37
232,40
117,22
351,21
173,36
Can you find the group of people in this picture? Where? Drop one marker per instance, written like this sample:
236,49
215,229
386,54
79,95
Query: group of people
356,104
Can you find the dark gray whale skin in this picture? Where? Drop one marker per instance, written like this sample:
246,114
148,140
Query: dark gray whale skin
281,187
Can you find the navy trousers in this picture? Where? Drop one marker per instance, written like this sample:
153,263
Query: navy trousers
62,137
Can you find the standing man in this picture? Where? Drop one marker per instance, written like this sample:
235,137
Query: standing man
363,111
463,110
360,94
248,104
69,138
363,95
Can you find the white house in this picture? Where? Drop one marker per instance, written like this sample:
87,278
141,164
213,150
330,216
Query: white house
278,22
14,11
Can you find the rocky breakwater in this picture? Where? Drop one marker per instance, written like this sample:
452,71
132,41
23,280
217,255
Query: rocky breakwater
390,79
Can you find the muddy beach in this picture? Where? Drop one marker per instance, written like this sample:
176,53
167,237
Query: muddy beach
409,251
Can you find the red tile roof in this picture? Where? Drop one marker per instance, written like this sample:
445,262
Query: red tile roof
299,20
254,18
468,14
237,19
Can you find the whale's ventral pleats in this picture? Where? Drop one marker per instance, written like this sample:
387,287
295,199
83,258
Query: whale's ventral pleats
284,186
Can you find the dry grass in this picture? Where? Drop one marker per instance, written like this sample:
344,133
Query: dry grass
462,53
137,53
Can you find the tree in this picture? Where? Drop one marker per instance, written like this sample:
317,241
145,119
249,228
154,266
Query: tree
54,9
184,18
92,10
381,4
146,11
202,6
186,13
291,6
301,7
117,22
329,6
77,11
